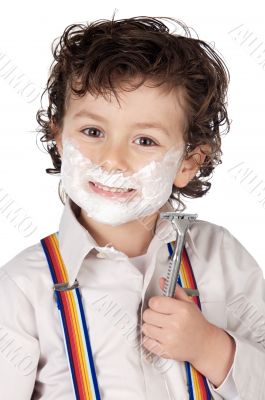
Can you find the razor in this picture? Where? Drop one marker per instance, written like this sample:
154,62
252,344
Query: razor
181,223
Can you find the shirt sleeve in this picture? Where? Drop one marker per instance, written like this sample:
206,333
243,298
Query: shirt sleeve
19,347
245,311
227,390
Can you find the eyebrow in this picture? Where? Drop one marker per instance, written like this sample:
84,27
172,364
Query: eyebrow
84,113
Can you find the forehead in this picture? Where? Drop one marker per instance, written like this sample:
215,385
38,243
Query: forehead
143,103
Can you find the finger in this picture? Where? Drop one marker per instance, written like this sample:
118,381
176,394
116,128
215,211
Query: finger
153,317
162,282
179,292
153,346
153,332
164,304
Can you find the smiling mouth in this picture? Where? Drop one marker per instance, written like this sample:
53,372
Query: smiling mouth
111,191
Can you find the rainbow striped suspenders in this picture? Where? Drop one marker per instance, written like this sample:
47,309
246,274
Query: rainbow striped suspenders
197,384
76,338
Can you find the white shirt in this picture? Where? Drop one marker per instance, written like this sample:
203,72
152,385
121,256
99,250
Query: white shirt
115,291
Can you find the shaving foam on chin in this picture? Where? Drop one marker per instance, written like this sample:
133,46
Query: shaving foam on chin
153,184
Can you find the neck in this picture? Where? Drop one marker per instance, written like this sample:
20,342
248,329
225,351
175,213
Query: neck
132,238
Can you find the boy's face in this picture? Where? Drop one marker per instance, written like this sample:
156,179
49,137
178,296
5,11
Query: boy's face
146,125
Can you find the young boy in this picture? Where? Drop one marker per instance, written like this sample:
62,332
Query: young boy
127,149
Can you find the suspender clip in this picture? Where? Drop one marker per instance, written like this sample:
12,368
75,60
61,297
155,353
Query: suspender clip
63,287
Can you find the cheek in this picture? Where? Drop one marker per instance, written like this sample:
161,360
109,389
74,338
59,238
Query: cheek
144,157
85,148
89,154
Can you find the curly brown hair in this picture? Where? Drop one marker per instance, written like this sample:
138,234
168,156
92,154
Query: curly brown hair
103,52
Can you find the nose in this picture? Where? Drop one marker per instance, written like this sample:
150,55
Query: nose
114,158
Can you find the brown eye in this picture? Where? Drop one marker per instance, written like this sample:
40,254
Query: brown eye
93,132
145,141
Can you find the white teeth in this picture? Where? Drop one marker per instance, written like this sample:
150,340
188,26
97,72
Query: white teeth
110,189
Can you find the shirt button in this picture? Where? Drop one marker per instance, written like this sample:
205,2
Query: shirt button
100,255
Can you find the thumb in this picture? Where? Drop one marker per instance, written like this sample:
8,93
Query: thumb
180,293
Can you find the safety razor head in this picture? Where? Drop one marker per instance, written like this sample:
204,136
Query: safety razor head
173,215
180,221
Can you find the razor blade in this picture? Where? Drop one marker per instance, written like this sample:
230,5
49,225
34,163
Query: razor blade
181,223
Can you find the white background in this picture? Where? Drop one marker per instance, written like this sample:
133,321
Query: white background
27,31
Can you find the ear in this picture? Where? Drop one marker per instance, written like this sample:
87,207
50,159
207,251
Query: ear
57,136
190,166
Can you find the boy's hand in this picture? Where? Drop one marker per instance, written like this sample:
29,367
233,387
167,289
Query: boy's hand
175,327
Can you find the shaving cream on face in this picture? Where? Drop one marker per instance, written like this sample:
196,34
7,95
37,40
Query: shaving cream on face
153,184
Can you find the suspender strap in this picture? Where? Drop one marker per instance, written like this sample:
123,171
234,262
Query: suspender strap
197,384
73,322
76,338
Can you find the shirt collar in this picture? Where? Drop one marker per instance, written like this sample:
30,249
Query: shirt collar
75,242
